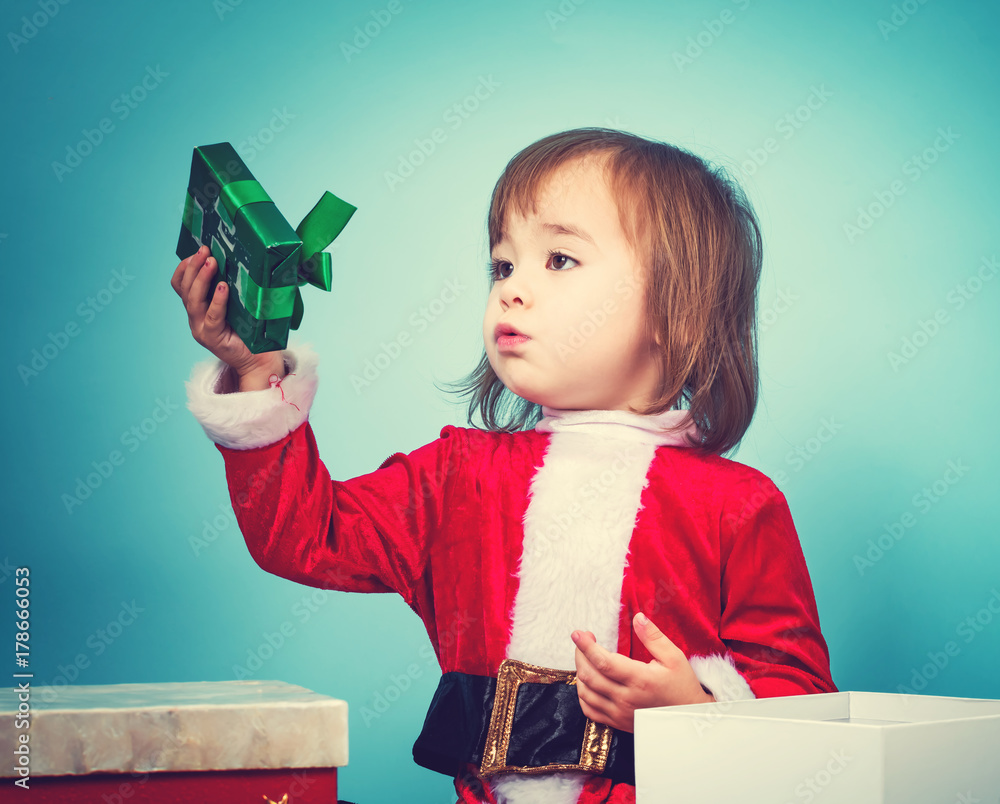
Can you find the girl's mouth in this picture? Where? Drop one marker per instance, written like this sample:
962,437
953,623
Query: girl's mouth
511,341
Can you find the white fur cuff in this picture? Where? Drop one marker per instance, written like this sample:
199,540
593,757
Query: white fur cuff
719,675
251,419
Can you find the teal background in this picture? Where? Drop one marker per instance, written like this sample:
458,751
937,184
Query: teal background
833,305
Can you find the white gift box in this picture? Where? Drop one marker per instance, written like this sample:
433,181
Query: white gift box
833,748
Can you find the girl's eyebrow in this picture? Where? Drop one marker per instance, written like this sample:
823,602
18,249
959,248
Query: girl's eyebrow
572,231
557,229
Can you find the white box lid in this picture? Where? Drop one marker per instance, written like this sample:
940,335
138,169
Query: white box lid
204,725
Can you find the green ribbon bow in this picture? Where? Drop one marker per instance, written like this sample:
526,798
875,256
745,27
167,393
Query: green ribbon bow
318,229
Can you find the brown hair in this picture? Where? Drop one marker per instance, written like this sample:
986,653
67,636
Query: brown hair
697,237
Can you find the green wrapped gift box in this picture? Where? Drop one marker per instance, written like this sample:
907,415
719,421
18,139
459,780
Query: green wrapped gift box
263,260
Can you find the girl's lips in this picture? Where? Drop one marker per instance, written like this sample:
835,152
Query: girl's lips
511,342
506,328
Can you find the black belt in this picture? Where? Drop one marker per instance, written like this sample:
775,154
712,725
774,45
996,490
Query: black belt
527,720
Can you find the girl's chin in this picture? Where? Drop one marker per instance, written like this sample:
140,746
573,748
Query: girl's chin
528,395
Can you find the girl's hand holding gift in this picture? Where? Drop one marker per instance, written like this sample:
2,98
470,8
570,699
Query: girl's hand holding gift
611,686
207,319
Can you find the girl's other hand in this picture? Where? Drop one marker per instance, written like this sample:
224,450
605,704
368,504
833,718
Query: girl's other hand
209,327
611,686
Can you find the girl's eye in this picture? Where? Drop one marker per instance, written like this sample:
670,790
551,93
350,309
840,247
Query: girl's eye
554,256
495,267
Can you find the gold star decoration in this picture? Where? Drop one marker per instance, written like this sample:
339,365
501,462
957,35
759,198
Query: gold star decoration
284,800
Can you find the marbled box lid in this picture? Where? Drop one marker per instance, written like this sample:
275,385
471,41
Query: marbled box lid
202,725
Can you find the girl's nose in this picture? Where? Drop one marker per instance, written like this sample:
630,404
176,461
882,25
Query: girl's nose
515,289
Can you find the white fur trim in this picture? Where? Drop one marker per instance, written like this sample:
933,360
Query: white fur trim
561,787
584,500
718,674
251,419
623,425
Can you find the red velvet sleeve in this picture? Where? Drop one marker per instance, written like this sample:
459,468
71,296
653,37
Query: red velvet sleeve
367,534
769,616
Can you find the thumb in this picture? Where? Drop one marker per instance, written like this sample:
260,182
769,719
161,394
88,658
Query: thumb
656,642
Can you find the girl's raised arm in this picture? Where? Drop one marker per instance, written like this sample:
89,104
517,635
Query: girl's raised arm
367,534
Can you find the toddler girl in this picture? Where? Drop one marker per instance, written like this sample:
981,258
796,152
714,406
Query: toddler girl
589,552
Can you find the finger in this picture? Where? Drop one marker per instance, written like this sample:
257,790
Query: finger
611,665
595,700
198,263
188,267
198,295
177,278
596,707
215,317
594,679
202,264
657,643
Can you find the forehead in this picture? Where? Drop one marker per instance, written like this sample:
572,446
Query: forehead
575,197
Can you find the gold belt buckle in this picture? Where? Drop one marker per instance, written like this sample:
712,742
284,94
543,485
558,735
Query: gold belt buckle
512,674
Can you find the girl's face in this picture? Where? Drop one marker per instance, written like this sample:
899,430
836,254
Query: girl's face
567,279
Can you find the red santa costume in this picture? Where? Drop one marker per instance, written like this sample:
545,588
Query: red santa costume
504,543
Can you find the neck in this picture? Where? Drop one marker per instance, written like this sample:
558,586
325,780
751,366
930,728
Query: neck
669,428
